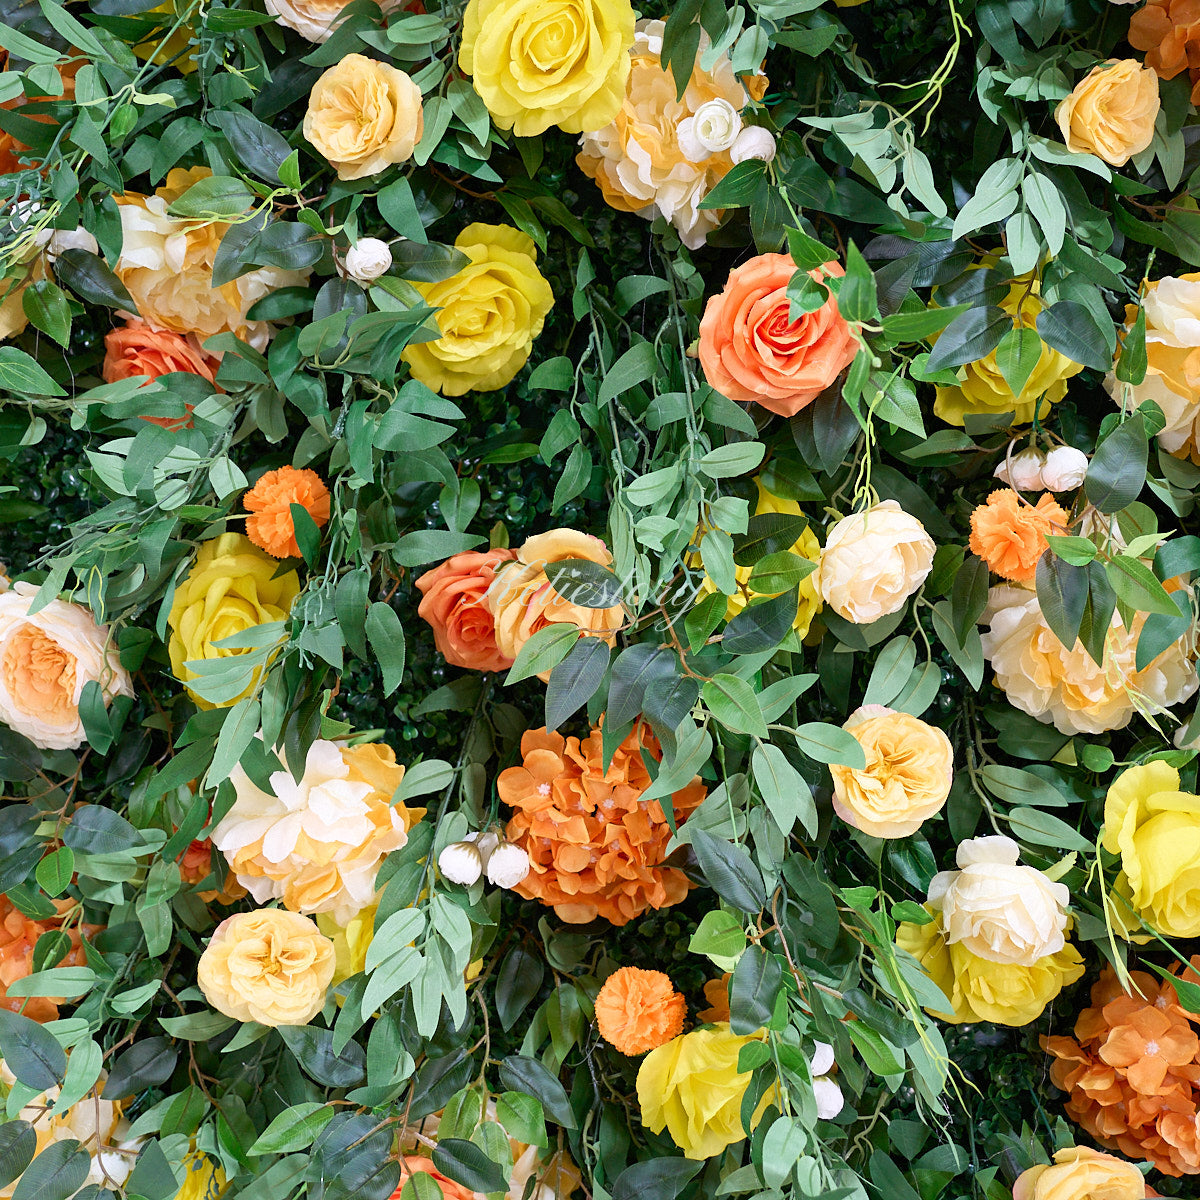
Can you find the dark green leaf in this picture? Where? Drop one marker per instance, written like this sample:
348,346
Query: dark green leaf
1070,328
519,1073
730,871
1117,472
588,584
575,680
655,1179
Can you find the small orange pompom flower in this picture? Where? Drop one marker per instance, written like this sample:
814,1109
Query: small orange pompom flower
270,501
1010,535
639,1010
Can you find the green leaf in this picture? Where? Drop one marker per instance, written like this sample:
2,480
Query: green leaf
1078,551
638,364
756,983
891,671
733,702
1017,355
738,187
1016,786
294,1129
779,572
216,197
768,534
386,637
1131,363
543,651
718,936
21,373
1136,585
58,1172
48,309
1062,592
18,1142
258,147
588,584
1117,472
971,336
761,625
54,872
784,790
1071,329
830,744
519,1073
879,1055
730,871
856,298
1042,829
518,982
91,279
655,1179
575,680
31,1052
735,459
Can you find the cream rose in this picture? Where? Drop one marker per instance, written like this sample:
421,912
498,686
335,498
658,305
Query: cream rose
714,128
1064,469
907,777
367,259
753,142
1079,1172
270,966
45,662
1111,112
997,909
873,561
314,19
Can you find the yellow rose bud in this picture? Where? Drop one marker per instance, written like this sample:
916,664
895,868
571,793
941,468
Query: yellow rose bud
1111,112
538,63
1081,1173
490,312
230,588
363,116
269,966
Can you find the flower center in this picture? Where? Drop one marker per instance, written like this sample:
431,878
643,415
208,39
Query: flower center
1151,1048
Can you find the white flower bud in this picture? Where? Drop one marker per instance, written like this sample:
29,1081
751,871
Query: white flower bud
713,128
1064,469
367,259
1023,471
753,142
461,863
507,865
486,844
69,239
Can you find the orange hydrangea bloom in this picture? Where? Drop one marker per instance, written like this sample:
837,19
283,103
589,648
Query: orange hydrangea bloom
1010,535
595,847
18,937
639,1010
270,501
1132,1071
1169,32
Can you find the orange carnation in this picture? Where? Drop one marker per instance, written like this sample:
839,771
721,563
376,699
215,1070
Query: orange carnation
1169,32
18,936
452,602
751,349
595,847
270,500
1010,535
639,1010
414,1164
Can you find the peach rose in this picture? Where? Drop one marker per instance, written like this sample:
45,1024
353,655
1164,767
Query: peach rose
18,936
1081,1173
314,19
1111,112
751,349
137,348
452,601
363,116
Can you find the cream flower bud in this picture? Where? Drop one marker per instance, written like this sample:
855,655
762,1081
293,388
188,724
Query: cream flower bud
1064,469
367,259
1022,471
70,239
486,844
712,128
753,142
507,865
460,862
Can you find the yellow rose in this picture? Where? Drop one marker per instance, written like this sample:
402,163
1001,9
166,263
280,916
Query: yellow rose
910,766
1081,1173
538,63
1156,830
805,546
176,49
1111,112
522,601
981,990
983,388
269,966
692,1087
363,116
350,941
490,312
229,589
203,1178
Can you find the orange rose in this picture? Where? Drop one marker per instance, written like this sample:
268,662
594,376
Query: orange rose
270,500
18,936
1010,535
137,348
751,349
414,1164
452,602
639,1010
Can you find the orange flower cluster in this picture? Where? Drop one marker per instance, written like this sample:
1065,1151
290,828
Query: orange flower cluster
595,847
1169,31
18,937
639,1010
270,500
1010,535
1133,1071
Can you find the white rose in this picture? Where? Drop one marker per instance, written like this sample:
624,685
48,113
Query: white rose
1023,471
45,662
711,129
367,259
507,865
461,863
753,142
998,910
1064,469
873,561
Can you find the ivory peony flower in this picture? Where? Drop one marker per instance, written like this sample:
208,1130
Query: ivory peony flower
1172,307
363,116
315,19
550,62
753,352
910,766
638,160
19,936
136,348
1065,687
639,1010
1155,828
998,910
1111,112
522,600
317,844
1010,535
873,561
595,847
46,660
1081,1173
507,865
1169,31
452,602
489,314
270,525
270,966
231,587
692,1088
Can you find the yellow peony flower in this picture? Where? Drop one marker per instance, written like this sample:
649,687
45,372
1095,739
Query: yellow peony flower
230,588
1081,1173
269,966
203,1178
692,1087
983,388
1155,828
538,63
351,941
363,116
1111,112
981,990
490,312
805,546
